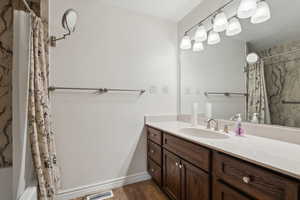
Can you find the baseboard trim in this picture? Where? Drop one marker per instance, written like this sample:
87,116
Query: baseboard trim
102,186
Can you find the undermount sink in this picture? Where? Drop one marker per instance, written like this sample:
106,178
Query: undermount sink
202,133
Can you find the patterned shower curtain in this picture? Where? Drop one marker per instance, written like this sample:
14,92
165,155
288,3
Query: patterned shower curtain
257,94
41,134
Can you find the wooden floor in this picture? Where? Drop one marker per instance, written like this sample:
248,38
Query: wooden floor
146,190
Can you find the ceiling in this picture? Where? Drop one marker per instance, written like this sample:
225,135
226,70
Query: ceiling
173,10
283,26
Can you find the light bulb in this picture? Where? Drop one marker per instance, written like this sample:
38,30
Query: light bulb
201,34
262,13
234,27
252,58
247,9
198,46
213,38
220,22
186,43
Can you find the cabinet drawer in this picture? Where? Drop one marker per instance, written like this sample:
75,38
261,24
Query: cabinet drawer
255,181
154,152
154,135
155,171
224,192
193,153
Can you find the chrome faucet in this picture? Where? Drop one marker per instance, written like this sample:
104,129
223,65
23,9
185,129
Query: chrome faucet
208,126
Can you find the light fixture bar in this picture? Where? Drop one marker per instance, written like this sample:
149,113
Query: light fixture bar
211,15
209,29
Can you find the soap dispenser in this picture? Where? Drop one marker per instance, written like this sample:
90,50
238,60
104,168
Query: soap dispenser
255,118
239,130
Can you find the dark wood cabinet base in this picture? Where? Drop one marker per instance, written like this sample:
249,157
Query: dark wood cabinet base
187,171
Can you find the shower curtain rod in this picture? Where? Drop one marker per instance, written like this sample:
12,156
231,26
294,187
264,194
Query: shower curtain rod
28,7
100,90
290,102
281,54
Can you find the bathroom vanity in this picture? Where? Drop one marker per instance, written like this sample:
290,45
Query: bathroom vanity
187,167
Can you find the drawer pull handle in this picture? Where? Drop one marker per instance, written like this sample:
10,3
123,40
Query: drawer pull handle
246,179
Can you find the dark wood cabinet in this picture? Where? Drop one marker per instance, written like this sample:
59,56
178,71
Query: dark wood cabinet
256,181
154,152
172,175
182,180
224,192
195,154
185,170
154,135
195,183
155,172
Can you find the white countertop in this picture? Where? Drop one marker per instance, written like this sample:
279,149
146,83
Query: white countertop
273,154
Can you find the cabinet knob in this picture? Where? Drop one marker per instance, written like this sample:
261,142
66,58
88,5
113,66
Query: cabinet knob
180,166
152,170
246,179
153,135
151,151
176,164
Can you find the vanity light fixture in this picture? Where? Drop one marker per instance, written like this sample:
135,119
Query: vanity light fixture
262,13
201,34
198,46
247,8
258,10
186,42
213,38
252,58
220,22
234,27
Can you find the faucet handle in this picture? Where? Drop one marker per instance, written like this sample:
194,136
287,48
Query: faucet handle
226,128
207,123
216,125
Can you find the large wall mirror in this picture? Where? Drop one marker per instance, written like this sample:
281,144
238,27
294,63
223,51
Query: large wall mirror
265,89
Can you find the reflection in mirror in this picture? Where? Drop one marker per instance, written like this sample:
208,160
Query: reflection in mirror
262,60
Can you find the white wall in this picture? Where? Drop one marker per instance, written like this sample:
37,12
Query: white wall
5,183
218,68
100,137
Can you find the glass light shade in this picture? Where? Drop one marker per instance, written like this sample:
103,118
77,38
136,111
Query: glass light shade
213,38
198,46
201,34
220,22
262,13
186,43
234,27
252,58
247,9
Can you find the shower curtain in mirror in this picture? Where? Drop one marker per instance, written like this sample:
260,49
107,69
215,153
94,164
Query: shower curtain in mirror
39,126
257,94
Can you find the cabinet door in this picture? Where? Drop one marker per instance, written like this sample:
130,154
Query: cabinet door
224,192
260,183
195,183
171,174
